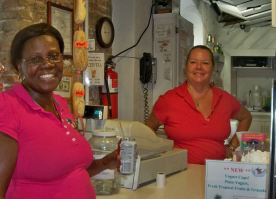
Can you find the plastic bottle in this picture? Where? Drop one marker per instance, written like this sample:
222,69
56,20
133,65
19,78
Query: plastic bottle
104,142
250,99
217,81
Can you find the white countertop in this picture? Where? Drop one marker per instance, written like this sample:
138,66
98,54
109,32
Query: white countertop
260,113
185,184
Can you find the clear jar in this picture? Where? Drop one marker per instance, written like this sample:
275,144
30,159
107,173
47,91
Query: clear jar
103,142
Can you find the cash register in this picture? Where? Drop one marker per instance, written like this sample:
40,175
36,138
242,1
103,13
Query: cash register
157,154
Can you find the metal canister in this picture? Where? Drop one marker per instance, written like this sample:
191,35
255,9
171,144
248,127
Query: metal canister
128,150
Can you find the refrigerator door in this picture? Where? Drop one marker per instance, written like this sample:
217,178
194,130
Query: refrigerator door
173,38
272,165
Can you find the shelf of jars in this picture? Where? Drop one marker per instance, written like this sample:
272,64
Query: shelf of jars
215,47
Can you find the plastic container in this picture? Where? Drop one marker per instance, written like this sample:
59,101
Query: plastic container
104,142
234,126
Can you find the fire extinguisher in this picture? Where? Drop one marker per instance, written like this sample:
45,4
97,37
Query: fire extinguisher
109,92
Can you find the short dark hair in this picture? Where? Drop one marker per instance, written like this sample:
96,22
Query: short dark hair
202,47
29,32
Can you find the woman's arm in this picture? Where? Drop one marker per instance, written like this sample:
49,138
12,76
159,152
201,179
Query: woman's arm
153,122
244,117
8,158
107,162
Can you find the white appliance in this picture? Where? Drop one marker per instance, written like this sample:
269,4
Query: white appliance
173,38
157,154
148,144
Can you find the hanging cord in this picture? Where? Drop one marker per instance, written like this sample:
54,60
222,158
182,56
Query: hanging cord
109,61
112,57
146,108
78,76
82,123
228,32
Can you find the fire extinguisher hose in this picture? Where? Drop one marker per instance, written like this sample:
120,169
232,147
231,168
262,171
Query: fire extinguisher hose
108,94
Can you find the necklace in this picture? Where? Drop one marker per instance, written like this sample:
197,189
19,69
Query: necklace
199,102
56,113
55,109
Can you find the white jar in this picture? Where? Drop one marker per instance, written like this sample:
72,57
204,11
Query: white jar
103,142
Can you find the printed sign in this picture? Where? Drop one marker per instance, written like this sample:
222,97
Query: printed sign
95,70
163,45
162,31
236,180
252,140
80,44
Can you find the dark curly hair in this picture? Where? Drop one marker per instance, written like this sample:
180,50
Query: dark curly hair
29,32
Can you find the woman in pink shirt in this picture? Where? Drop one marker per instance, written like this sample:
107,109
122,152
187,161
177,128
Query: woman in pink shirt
42,155
196,115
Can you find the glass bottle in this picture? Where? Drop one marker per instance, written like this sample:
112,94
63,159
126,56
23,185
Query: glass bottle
209,42
103,142
218,48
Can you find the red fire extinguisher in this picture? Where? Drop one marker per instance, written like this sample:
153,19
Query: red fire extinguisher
109,93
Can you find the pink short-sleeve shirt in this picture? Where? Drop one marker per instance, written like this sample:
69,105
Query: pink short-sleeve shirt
52,155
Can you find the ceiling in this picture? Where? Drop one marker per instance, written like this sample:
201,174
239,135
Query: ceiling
251,13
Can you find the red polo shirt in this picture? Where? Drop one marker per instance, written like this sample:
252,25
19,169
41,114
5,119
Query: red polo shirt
187,127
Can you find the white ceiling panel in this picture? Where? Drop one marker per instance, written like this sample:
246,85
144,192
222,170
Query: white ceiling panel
249,12
256,10
252,4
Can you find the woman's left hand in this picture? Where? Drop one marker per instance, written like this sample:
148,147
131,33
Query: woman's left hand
111,160
107,162
229,152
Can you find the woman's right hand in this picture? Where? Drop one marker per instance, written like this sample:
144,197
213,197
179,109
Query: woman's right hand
8,158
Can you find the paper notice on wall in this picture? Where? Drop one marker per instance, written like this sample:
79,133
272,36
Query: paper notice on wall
163,45
91,45
236,180
95,69
162,31
167,57
167,73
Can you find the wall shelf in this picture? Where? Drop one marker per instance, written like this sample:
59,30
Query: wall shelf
255,68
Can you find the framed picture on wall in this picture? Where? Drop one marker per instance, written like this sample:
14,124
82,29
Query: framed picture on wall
62,18
65,86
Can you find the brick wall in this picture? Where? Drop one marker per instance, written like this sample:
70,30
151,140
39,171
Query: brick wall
17,14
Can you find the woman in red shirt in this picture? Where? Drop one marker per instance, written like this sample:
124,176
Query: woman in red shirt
196,115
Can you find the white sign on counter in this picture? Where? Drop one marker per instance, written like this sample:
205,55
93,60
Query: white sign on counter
236,180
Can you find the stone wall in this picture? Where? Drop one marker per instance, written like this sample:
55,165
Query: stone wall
17,14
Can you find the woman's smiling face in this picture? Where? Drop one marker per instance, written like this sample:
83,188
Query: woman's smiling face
44,77
199,67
